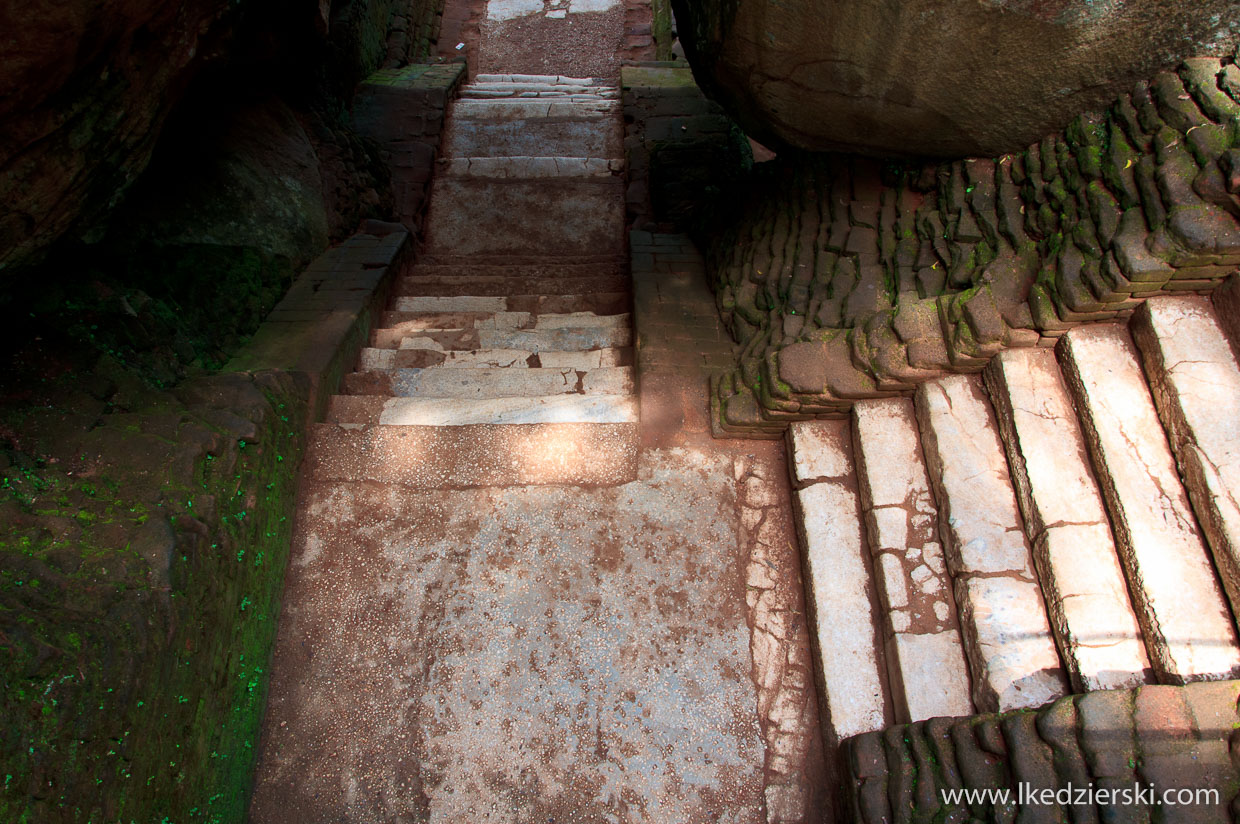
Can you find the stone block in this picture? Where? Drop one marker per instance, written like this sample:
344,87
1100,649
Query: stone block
1186,623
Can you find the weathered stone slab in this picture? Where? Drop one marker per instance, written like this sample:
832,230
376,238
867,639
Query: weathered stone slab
1196,387
582,320
450,304
592,359
1066,521
1186,623
925,661
519,168
482,383
839,591
373,359
500,138
566,339
525,217
531,108
557,409
1006,633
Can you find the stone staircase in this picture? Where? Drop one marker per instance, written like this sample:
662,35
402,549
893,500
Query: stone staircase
508,348
1065,521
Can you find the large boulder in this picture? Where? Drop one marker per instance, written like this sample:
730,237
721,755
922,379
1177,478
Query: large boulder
935,78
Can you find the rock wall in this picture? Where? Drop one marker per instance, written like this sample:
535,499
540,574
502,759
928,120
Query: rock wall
934,78
144,535
846,278
143,554
86,90
1149,740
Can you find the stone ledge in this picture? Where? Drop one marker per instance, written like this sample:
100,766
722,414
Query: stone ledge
323,338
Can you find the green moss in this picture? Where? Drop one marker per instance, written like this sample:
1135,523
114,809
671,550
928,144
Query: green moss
129,696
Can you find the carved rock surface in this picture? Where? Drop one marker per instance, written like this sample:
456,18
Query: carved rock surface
933,78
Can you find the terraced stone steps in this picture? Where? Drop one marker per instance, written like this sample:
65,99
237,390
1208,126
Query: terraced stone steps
514,327
1005,538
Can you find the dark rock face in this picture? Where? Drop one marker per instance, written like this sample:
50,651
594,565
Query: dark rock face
84,90
87,88
931,78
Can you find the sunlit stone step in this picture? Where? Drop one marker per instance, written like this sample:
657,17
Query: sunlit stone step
925,659
840,599
1006,633
375,409
1066,522
1196,387
457,457
483,383
1187,626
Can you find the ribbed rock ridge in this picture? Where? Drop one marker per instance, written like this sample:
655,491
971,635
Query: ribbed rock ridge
844,278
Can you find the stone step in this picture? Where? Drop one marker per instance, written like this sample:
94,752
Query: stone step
527,168
599,303
490,382
1013,659
487,89
840,600
1192,371
572,339
505,218
373,409
926,664
438,340
525,108
557,93
449,285
535,136
426,310
1099,638
1184,617
374,359
545,79
421,324
475,455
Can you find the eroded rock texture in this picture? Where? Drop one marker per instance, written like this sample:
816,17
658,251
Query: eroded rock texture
929,78
1108,755
845,278
86,88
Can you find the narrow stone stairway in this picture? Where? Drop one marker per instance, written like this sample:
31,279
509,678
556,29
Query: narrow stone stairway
500,607
518,314
1065,521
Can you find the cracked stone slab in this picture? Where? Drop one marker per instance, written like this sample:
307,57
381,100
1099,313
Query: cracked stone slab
1196,387
482,383
570,339
555,409
515,655
1006,633
1187,626
1086,593
840,594
925,660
